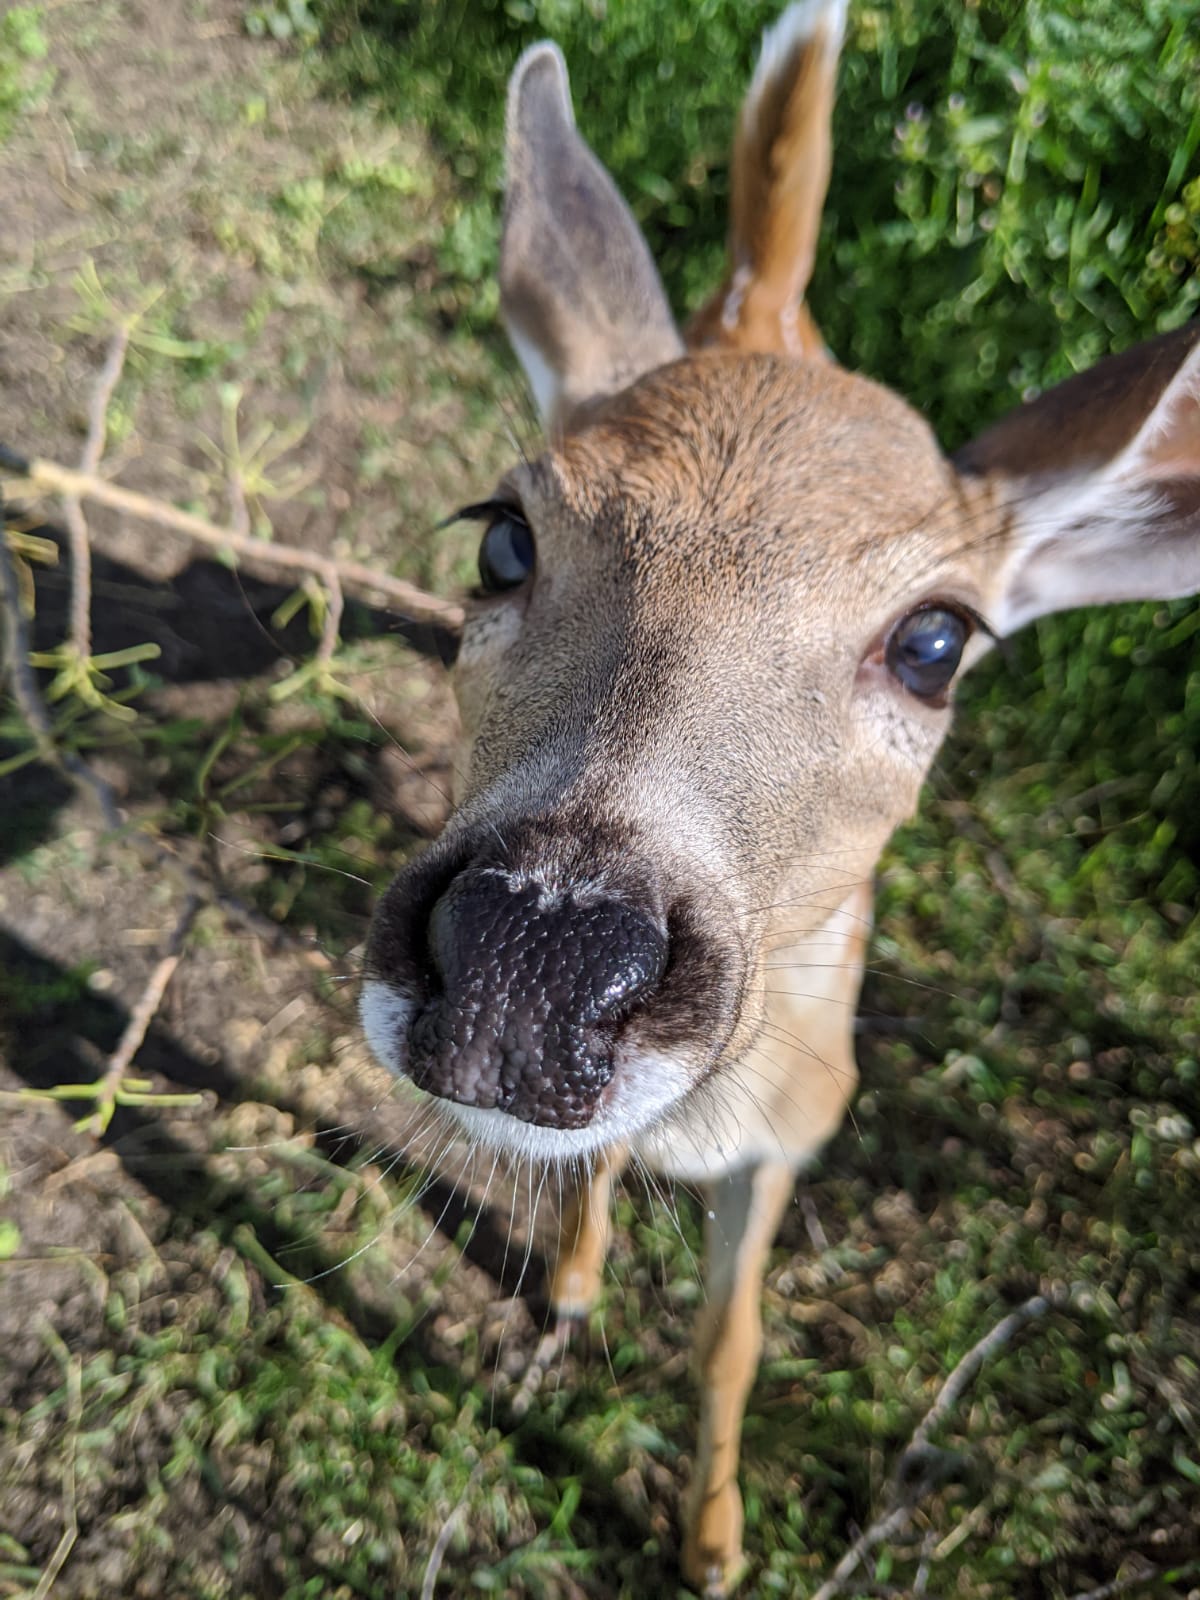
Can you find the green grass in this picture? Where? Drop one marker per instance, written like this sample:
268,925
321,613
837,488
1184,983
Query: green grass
23,80
1016,191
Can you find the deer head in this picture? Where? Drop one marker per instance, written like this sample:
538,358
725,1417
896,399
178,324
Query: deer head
724,615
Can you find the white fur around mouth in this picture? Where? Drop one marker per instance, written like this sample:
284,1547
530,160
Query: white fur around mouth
385,1013
646,1085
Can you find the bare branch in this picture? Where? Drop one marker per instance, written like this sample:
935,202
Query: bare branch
17,646
143,1015
910,1480
331,628
89,463
892,1522
73,1369
81,575
33,708
51,477
29,698
966,1369
1118,1586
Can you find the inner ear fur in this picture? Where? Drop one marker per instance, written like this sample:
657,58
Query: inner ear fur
1098,483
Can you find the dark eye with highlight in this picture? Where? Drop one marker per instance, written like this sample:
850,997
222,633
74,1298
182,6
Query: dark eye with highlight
925,648
506,552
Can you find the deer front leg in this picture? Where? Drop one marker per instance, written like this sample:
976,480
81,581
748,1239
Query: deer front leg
577,1268
583,1238
744,1209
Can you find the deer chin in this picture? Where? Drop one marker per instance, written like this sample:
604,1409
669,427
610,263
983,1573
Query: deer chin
646,1087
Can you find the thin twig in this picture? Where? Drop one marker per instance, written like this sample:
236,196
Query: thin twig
892,1522
29,698
89,464
907,1486
143,1013
438,1554
239,510
33,709
81,576
332,626
73,1367
1134,1580
921,1581
964,1372
335,575
17,645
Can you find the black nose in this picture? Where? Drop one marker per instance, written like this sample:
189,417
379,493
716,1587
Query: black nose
528,991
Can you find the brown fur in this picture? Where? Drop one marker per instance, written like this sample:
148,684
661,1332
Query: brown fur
782,155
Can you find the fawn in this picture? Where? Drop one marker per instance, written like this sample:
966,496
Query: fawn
724,613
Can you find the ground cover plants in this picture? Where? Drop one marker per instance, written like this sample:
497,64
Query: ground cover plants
248,1349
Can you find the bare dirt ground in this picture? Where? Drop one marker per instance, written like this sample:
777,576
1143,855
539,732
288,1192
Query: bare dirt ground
159,156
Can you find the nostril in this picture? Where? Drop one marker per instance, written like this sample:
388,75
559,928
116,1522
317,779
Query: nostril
440,937
635,961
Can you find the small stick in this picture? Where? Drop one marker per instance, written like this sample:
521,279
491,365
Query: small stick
898,1513
143,1014
893,1521
29,698
73,1366
1116,1586
89,464
438,1554
60,480
16,653
331,628
33,708
965,1371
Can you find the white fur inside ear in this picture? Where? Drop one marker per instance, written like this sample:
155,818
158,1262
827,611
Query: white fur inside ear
542,378
1083,519
1095,539
1169,445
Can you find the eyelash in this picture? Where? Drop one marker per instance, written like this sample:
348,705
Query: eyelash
484,511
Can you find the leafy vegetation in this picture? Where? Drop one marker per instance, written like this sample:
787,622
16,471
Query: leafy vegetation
23,80
270,1368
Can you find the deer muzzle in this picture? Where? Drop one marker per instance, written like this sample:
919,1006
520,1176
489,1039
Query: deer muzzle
553,980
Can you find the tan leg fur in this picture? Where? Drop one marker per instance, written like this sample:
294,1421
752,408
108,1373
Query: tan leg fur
744,1213
583,1238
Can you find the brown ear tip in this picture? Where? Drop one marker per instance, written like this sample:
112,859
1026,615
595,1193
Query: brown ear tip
539,90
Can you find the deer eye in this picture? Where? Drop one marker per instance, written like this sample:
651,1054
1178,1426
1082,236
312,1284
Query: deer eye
505,553
924,649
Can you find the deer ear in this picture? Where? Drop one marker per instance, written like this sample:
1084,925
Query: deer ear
1099,482
579,293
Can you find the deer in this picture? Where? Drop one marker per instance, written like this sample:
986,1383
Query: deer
721,621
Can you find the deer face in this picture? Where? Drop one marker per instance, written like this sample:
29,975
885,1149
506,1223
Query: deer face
731,605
